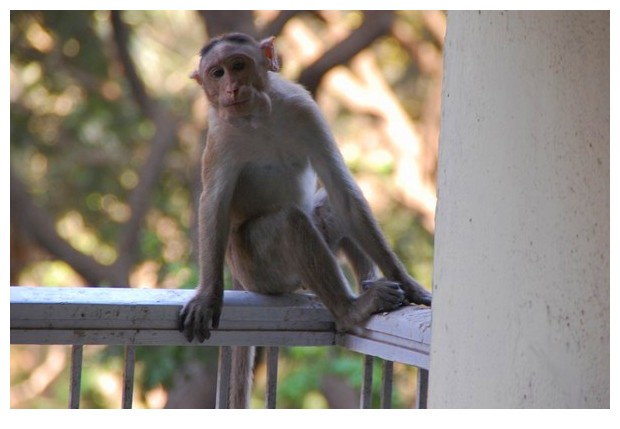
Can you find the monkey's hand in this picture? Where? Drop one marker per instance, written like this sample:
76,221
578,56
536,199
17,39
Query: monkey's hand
415,292
200,311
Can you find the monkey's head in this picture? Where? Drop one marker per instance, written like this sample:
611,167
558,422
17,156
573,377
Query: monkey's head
233,73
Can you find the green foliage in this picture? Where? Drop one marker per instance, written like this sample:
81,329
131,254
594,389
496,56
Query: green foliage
79,140
160,363
411,242
303,368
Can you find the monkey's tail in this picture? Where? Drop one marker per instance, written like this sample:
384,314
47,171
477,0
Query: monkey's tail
242,366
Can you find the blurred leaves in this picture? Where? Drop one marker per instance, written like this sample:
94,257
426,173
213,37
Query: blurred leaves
106,135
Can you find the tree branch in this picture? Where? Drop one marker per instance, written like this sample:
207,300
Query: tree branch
274,27
139,200
121,40
223,21
164,139
376,24
38,225
435,21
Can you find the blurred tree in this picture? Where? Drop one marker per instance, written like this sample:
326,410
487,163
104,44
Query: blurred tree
107,131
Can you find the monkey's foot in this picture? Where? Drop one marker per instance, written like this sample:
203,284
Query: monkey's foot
378,296
415,292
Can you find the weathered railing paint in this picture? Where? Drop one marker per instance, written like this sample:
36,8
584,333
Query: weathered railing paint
131,317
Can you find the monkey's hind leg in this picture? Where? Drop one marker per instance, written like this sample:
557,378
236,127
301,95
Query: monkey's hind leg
331,230
303,248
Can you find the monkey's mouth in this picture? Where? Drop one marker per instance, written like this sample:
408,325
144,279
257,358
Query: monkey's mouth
236,103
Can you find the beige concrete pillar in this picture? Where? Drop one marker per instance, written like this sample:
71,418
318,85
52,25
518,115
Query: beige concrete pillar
521,277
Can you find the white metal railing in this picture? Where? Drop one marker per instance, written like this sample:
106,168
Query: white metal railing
132,317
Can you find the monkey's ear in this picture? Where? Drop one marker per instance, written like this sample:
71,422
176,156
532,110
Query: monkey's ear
269,50
196,76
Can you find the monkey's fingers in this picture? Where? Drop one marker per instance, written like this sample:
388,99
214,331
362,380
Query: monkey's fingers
181,319
401,297
201,325
201,332
404,299
389,294
420,296
425,298
185,322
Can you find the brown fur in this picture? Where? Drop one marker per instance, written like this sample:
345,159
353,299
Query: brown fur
260,209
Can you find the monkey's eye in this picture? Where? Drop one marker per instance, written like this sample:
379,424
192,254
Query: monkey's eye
217,72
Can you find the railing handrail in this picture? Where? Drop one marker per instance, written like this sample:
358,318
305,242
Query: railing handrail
46,315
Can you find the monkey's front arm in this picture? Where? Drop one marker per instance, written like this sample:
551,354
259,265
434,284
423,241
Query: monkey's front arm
204,309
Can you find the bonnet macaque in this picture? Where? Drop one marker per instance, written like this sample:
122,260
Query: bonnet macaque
261,210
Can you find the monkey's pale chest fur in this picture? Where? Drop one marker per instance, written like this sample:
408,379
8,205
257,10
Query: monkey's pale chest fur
274,173
272,184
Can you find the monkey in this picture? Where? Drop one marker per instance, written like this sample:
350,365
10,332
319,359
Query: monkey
278,202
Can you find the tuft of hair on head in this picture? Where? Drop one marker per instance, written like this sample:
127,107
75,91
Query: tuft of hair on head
239,38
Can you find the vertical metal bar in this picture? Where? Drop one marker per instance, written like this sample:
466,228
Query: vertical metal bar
386,384
272,377
76,376
422,396
223,377
128,376
366,391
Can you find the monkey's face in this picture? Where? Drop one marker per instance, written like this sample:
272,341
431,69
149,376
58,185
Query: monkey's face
234,80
